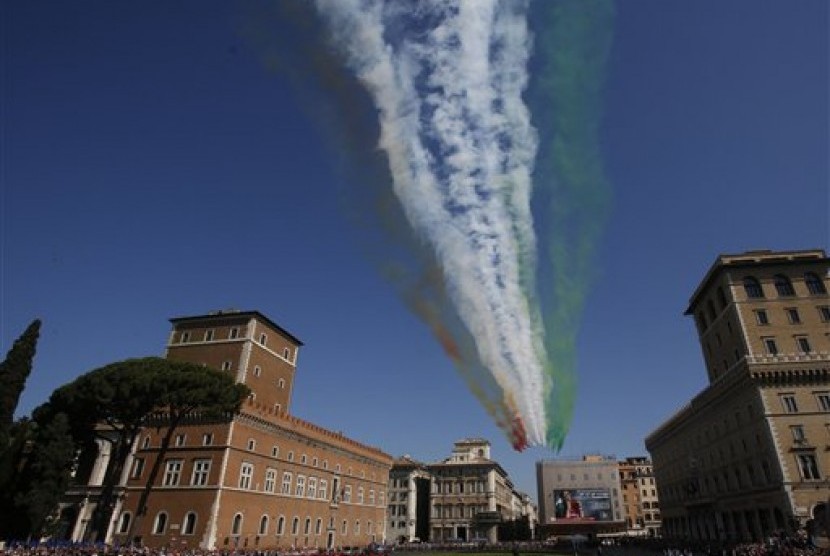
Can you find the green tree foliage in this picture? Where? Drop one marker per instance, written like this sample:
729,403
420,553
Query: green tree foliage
117,401
14,371
11,461
515,530
44,477
191,391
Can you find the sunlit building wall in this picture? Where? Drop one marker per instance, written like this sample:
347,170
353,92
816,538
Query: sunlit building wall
750,454
263,480
640,500
580,496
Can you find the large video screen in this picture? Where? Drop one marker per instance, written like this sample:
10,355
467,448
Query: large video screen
582,504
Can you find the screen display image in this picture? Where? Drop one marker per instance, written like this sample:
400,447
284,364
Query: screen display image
585,504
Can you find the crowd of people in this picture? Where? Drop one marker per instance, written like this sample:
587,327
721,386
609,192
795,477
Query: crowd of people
780,544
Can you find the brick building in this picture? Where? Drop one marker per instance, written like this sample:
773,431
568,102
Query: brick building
263,480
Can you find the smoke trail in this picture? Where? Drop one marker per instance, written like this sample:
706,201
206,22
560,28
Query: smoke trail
447,79
573,41
442,83
287,38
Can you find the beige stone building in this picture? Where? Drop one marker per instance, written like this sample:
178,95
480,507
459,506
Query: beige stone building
580,496
408,509
265,479
463,498
750,454
471,494
639,497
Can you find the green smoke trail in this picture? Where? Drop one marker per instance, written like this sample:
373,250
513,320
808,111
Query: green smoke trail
573,38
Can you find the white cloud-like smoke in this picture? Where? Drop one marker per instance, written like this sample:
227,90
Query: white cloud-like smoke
447,79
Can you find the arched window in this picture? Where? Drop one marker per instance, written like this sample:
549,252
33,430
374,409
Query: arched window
263,525
160,525
236,526
124,523
295,525
189,525
281,525
307,528
814,284
753,287
783,286
318,527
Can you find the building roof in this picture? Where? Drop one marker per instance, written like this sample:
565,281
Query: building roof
753,259
406,461
225,313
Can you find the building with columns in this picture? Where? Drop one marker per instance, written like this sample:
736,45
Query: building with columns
750,453
408,509
463,498
263,480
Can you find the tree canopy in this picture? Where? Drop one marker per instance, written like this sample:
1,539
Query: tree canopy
116,401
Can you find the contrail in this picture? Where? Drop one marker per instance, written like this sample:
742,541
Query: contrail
447,80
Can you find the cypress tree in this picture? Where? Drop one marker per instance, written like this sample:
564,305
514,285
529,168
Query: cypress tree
14,371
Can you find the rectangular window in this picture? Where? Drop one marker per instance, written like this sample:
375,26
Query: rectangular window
798,433
270,479
312,487
347,494
263,339
823,399
208,335
172,472
207,439
322,494
185,337
360,495
824,313
788,401
761,317
803,344
300,491
245,474
770,346
792,315
234,333
180,440
138,468
809,467
286,483
226,365
201,470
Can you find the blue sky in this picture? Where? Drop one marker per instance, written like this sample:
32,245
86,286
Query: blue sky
156,163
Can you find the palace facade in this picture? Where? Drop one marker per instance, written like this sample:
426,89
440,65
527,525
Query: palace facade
750,454
262,480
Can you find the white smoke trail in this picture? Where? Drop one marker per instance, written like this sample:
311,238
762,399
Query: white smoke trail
461,147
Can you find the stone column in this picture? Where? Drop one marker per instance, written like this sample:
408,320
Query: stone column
102,460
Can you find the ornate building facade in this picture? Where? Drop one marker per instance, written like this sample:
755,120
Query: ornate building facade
750,454
263,480
463,498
